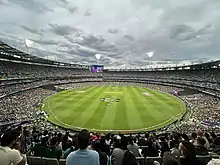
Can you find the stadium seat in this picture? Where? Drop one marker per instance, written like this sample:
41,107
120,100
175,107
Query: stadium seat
148,160
204,159
62,161
31,160
50,161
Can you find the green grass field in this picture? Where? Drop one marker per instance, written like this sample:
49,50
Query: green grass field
113,108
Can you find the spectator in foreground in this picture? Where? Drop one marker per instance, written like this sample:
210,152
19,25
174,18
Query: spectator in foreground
83,155
133,147
200,134
188,151
168,159
150,150
200,149
103,158
118,152
214,162
53,150
193,140
40,149
104,147
8,154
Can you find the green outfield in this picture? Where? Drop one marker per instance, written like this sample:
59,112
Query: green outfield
113,108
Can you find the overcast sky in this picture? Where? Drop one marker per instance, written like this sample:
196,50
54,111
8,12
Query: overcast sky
122,31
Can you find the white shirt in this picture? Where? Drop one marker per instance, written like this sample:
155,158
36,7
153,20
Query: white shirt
9,156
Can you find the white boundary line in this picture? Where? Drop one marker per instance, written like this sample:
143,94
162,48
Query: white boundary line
140,129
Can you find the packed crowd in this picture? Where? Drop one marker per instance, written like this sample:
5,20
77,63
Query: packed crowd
89,148
204,79
21,106
11,70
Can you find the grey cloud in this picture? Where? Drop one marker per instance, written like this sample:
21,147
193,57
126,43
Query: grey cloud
31,30
62,30
128,37
113,31
76,30
72,9
33,5
87,13
184,32
46,42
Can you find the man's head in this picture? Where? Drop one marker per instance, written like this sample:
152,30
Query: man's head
201,141
187,149
199,133
83,139
53,141
9,138
194,135
96,145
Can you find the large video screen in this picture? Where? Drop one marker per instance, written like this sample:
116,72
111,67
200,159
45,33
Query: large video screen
97,68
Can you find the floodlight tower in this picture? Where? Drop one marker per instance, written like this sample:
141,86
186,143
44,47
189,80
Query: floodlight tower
150,55
98,56
28,44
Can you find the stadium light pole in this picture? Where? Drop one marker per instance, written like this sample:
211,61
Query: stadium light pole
28,43
149,55
98,56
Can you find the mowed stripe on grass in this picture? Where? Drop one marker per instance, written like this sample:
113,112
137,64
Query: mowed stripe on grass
133,111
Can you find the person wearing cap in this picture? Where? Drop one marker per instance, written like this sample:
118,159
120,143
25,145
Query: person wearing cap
83,155
8,154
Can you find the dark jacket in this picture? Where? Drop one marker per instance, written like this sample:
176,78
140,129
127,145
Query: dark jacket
186,161
201,150
150,152
103,158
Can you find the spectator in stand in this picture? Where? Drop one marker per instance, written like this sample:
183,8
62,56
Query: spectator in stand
168,159
70,149
83,156
103,157
142,141
108,139
103,146
133,147
208,137
53,150
164,145
150,150
9,150
214,162
216,143
188,151
118,152
194,137
40,149
200,134
200,149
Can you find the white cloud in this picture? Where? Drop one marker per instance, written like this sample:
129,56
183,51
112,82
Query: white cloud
122,31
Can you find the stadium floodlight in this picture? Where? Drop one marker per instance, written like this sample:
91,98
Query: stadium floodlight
98,56
150,54
28,42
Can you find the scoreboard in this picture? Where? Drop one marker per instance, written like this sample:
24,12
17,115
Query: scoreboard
97,68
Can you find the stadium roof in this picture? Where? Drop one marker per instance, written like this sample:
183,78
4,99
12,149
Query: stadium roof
124,32
8,53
